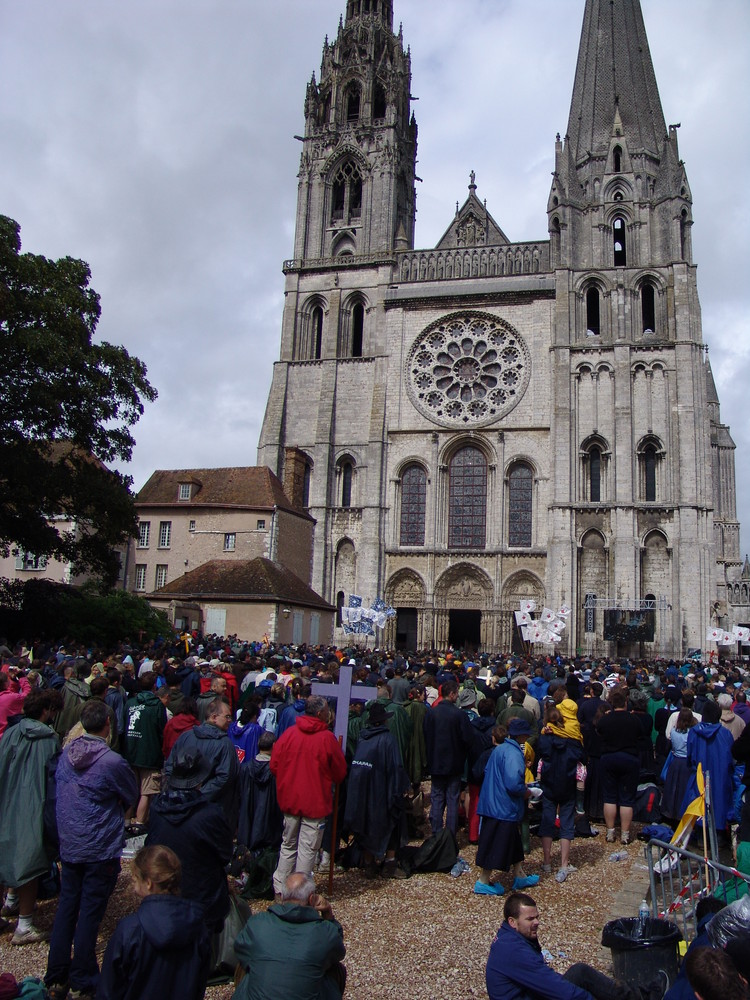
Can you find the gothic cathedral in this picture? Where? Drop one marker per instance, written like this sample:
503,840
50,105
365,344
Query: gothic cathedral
488,421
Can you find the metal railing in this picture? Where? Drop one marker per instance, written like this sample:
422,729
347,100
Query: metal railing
680,879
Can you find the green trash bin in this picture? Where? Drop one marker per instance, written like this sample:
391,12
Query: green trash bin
640,958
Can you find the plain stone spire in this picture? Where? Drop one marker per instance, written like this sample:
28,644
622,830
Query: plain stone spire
614,72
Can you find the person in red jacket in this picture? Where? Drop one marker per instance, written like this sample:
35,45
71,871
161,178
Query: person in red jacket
306,762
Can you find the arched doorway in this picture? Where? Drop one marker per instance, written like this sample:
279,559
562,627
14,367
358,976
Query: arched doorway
406,593
463,599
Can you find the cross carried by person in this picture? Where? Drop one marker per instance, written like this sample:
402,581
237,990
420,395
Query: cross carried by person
345,693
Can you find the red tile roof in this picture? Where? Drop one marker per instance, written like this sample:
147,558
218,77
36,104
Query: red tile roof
253,487
247,579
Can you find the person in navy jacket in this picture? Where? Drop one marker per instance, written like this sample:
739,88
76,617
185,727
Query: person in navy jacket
516,969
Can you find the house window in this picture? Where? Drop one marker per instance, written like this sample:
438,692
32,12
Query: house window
160,579
144,533
140,576
184,491
260,524
230,540
413,502
317,332
618,230
191,526
165,534
346,484
520,497
30,563
298,619
467,504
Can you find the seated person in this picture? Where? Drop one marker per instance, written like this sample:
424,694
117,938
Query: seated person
516,969
294,948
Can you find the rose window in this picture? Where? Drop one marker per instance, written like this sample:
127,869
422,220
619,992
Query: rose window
468,370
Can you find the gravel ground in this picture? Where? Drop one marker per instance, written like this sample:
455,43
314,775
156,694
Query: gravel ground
427,937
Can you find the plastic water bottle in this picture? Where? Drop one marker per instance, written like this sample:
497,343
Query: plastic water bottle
618,856
644,912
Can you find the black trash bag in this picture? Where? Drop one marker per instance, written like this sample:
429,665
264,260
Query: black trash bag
621,934
438,853
642,959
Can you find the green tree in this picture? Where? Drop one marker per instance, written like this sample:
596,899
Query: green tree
67,405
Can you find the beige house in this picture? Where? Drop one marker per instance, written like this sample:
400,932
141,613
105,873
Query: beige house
197,526
21,565
250,598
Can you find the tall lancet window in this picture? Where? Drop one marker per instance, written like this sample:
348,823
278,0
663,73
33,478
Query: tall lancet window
467,504
648,307
618,229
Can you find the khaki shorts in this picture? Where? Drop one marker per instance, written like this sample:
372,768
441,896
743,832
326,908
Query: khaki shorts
148,780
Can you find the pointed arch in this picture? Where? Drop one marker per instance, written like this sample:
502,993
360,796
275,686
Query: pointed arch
353,326
309,346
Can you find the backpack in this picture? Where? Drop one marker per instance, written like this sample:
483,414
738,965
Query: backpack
647,808
268,720
437,854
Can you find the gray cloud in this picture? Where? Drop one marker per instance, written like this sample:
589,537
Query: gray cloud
154,140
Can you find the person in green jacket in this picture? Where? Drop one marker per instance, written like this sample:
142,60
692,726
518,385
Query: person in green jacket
293,949
25,751
144,732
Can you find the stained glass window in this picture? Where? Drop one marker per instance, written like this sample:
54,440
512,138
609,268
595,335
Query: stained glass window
521,487
413,501
467,515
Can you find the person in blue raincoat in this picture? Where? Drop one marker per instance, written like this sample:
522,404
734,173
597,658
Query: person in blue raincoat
710,745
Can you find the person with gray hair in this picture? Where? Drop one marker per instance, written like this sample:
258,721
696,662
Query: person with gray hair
294,948
729,720
307,762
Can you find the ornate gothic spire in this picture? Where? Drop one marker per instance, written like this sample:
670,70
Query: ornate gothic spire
376,10
615,74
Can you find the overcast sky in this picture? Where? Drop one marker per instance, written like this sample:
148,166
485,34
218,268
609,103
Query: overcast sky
154,139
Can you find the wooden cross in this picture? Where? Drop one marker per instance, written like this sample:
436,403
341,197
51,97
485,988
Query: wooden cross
344,692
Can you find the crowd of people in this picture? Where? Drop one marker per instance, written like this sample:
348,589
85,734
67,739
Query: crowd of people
215,750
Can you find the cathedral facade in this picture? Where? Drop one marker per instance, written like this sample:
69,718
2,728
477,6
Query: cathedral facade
489,421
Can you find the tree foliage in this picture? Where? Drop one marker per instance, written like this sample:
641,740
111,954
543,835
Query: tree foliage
67,406
47,610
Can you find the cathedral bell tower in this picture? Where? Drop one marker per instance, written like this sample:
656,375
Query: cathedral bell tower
356,180
633,450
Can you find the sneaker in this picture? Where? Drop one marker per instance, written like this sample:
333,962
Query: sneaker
625,838
31,936
325,861
561,875
610,835
525,883
457,869
547,869
488,889
570,868
57,992
10,909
